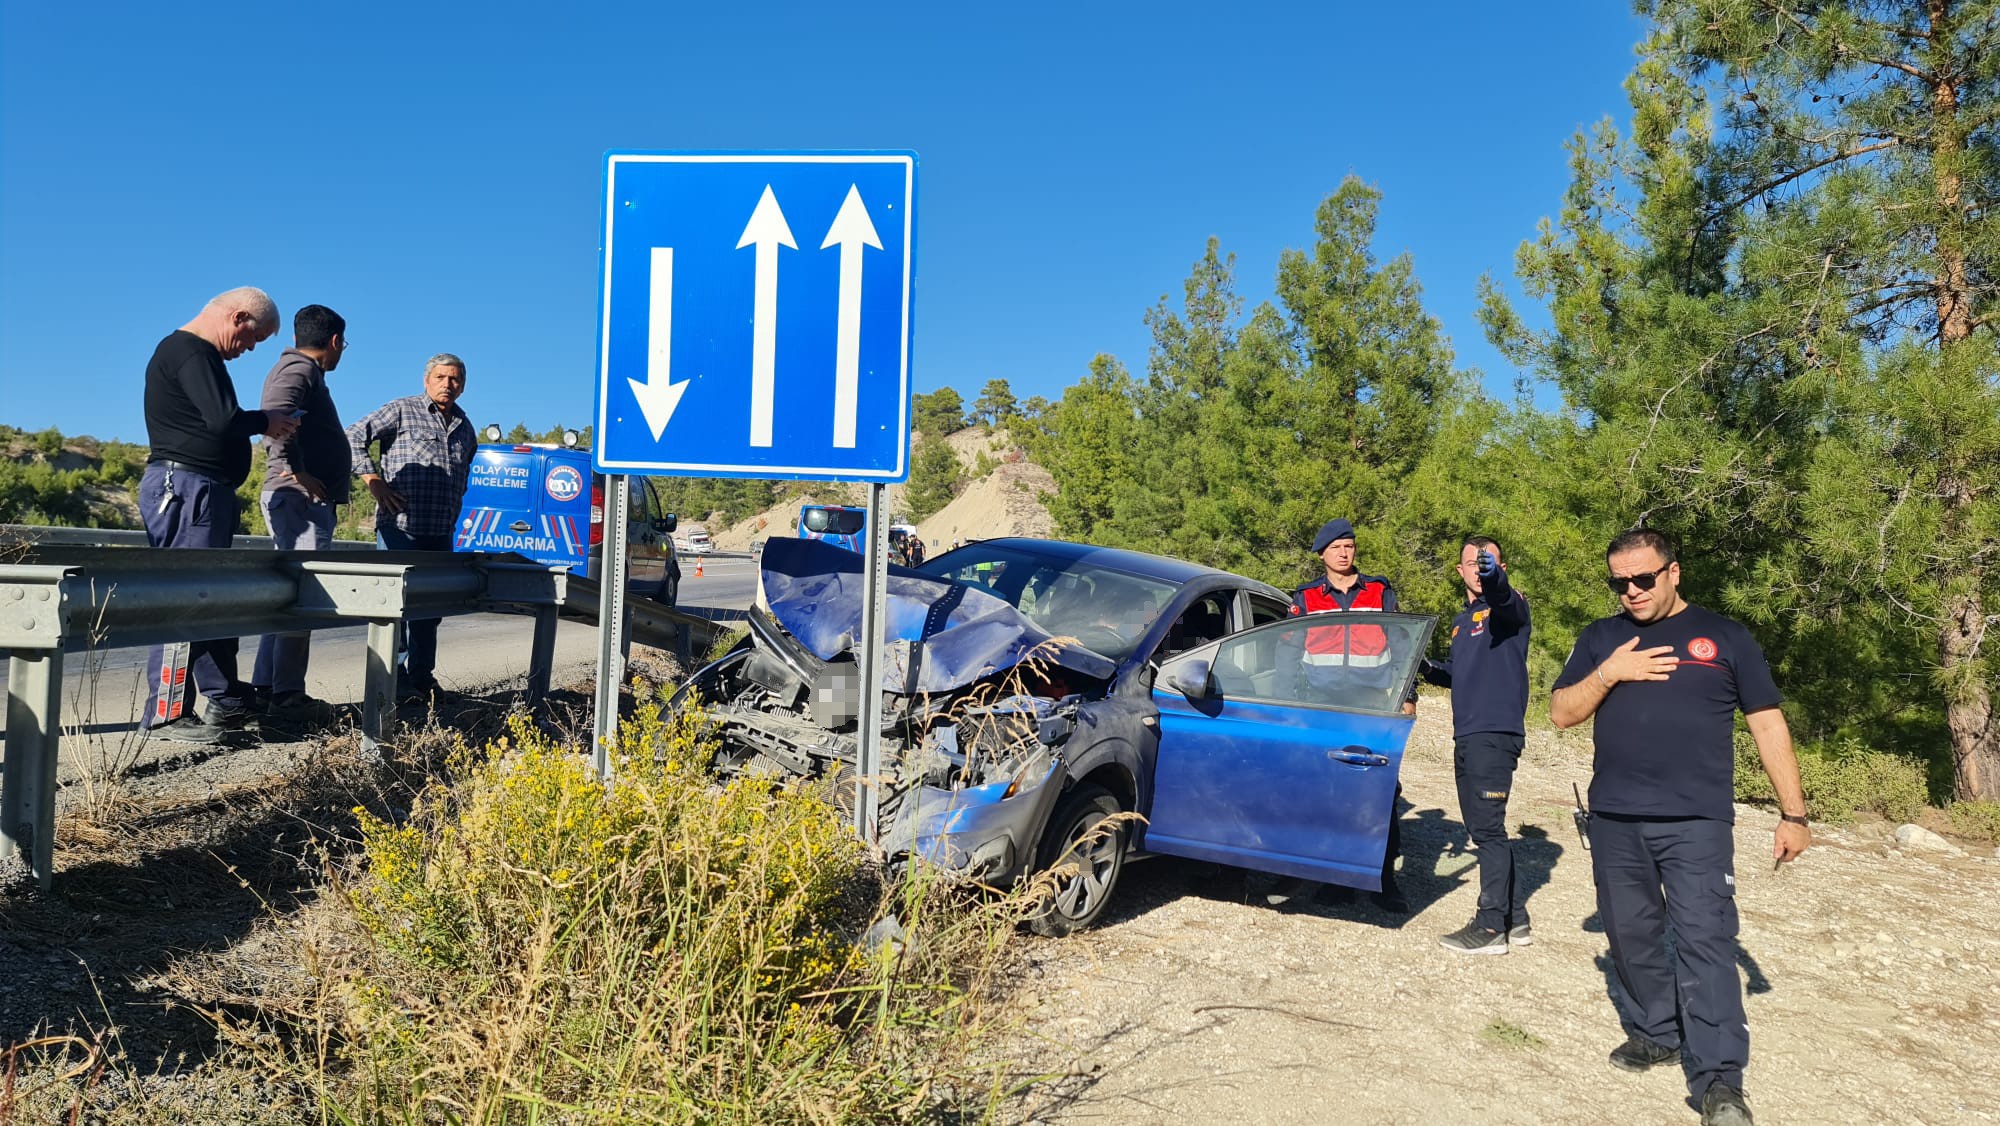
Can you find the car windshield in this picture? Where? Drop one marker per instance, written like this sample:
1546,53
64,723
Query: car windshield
1109,611
835,521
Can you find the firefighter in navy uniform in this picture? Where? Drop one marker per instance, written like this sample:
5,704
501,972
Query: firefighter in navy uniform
1353,649
1664,680
1487,672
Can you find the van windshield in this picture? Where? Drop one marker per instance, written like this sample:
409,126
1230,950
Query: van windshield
835,521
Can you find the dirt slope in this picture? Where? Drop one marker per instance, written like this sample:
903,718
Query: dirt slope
1871,976
1002,502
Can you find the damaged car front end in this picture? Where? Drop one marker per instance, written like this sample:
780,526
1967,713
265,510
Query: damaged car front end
979,703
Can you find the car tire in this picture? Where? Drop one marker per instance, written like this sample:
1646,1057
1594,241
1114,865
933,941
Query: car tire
1081,895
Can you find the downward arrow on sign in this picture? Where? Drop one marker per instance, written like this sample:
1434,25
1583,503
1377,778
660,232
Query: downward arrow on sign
851,231
658,395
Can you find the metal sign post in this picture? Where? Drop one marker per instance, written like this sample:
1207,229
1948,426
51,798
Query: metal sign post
874,623
610,622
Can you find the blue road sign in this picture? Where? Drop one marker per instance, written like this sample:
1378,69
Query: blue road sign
754,316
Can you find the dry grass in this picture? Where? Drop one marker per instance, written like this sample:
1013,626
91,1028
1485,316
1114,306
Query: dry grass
529,946
477,931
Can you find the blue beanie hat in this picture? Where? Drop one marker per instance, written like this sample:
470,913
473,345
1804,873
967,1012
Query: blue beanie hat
1334,529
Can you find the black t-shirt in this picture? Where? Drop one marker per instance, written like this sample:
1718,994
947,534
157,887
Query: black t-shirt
192,416
1664,747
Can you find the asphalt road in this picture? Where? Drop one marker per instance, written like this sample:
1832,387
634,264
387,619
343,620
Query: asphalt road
104,692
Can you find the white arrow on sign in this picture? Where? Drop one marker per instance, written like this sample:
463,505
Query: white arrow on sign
659,395
851,230
766,231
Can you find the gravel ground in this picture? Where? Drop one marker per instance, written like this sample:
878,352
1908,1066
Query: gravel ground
1871,971
1872,974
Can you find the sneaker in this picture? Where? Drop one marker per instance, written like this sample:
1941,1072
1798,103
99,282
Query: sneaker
1723,1105
188,729
1640,1054
1475,939
416,691
1522,935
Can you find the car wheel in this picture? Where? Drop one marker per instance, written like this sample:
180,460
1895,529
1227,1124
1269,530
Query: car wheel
1093,853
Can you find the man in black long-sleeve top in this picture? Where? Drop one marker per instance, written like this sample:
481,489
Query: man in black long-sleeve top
1487,672
200,441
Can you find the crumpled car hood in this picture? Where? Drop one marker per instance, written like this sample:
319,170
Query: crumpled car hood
955,632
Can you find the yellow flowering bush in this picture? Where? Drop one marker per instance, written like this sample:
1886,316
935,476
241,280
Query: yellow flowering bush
662,949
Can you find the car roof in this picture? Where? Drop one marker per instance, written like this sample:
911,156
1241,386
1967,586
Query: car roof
1177,571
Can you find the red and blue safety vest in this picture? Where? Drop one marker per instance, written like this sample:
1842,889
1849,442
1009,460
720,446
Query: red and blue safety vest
1352,646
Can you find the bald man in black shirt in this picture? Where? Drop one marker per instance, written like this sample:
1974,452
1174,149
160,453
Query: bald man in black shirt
1664,680
200,451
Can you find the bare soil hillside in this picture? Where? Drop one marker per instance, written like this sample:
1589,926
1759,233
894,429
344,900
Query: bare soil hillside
1002,501
1006,502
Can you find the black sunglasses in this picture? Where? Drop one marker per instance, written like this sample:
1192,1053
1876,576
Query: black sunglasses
1618,584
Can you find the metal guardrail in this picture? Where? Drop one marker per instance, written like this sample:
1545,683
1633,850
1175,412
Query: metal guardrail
43,535
136,537
62,598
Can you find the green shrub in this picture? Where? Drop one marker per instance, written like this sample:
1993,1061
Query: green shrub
537,946
1840,780
1979,820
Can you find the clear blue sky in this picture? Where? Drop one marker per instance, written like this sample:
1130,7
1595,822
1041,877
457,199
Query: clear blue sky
434,172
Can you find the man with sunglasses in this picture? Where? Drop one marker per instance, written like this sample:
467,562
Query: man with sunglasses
1664,680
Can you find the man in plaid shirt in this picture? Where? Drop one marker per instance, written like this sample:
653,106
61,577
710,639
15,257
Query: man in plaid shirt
427,446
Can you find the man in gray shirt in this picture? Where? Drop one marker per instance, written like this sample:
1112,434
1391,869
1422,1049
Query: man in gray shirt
305,477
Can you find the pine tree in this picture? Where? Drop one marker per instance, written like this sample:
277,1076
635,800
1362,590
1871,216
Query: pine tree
995,404
1859,159
935,473
937,414
1086,442
1772,325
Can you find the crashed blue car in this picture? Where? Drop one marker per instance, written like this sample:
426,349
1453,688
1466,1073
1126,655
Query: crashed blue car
1035,689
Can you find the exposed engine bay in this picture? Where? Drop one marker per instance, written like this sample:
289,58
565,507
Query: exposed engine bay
977,703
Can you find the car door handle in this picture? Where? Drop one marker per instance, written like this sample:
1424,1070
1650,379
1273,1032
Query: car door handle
1358,756
519,526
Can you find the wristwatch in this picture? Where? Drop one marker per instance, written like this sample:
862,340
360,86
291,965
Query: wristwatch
1794,818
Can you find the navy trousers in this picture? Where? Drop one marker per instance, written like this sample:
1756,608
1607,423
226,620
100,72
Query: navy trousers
420,635
1484,763
1654,872
186,509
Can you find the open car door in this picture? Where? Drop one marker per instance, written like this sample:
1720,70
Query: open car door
1280,746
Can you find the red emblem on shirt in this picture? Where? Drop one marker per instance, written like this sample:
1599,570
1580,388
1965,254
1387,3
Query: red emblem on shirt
1702,649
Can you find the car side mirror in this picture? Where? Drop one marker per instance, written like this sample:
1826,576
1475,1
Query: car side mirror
1190,679
667,523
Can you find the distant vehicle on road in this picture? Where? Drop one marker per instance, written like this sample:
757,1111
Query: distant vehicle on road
542,501
694,539
838,524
